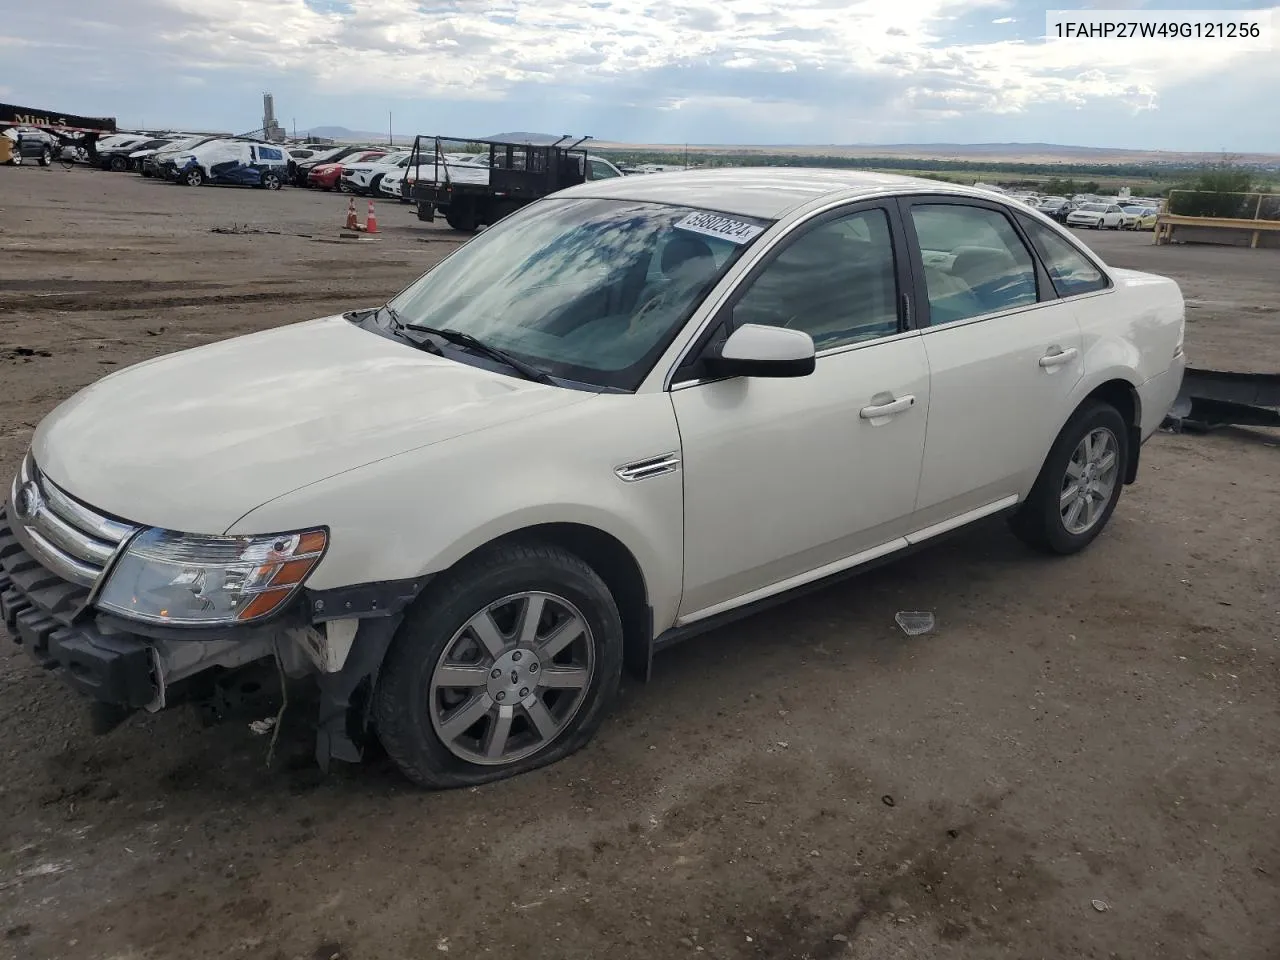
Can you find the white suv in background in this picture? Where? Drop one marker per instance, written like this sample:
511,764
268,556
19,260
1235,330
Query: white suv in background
625,413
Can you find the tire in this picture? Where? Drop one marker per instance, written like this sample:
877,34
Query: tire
192,178
271,181
461,217
343,187
46,157
1041,521
411,708
119,163
374,184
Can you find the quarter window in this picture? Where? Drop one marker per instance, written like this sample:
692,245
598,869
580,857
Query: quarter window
1070,270
836,282
974,261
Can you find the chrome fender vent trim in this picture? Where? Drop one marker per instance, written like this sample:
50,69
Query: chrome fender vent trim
649,467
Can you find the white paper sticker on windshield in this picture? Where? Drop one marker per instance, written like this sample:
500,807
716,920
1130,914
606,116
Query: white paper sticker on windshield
718,225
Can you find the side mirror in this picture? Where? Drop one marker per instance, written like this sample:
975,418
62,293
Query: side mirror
755,350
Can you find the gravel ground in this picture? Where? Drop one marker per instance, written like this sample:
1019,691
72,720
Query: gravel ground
808,783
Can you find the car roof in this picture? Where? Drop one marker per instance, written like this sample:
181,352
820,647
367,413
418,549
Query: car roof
767,192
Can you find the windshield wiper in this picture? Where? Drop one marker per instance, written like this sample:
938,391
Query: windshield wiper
528,371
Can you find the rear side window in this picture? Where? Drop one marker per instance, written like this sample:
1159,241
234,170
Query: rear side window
1069,269
269,153
974,261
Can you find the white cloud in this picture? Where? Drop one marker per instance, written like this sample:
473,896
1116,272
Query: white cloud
886,56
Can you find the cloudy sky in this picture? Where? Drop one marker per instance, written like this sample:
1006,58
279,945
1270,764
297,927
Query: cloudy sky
670,71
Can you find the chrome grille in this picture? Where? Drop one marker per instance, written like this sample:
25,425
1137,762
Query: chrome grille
68,538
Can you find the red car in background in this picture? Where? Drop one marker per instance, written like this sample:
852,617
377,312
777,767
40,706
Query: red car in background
328,176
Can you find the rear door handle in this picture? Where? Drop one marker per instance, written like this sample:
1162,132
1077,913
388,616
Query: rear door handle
877,411
1051,360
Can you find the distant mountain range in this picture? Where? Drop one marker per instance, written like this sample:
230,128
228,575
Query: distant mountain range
366,136
987,152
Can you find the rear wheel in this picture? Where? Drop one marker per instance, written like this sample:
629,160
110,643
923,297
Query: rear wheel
271,180
46,157
461,216
119,163
506,664
1079,483
193,177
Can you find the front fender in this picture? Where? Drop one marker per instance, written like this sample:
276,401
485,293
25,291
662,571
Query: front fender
420,512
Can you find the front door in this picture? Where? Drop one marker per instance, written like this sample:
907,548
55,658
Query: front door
788,479
1004,356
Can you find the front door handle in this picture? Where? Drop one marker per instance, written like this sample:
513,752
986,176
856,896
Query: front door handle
1058,358
880,410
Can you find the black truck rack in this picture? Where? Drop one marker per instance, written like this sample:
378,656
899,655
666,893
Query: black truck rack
474,195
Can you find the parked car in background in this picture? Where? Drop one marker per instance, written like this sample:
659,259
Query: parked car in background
1096,216
720,387
150,165
241,163
363,177
29,145
328,174
134,158
393,183
1138,218
113,153
331,155
1053,207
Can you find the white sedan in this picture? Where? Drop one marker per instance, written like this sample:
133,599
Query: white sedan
391,183
625,413
1097,216
366,177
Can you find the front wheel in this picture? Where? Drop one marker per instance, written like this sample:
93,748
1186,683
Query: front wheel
193,177
1079,483
118,164
506,664
271,181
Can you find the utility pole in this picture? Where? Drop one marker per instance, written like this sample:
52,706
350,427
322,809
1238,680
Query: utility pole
686,156
390,137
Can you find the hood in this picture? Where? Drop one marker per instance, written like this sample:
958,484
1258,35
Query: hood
194,440
325,168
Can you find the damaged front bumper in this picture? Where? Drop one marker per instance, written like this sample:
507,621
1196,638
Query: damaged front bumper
339,637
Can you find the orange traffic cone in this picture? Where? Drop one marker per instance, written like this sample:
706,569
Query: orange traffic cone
352,223
371,225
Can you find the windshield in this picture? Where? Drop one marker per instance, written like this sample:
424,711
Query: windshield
1094,207
587,290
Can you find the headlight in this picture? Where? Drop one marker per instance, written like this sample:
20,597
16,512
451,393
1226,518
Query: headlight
167,577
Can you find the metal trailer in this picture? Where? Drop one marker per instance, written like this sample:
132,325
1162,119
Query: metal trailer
517,174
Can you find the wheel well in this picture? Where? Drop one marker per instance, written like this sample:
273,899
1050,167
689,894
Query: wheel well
615,565
1121,395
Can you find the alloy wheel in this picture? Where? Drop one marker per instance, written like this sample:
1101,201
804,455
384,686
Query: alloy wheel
510,681
1090,480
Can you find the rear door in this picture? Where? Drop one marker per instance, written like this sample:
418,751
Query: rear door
1004,353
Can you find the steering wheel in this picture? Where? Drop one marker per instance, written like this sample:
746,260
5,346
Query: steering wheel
654,304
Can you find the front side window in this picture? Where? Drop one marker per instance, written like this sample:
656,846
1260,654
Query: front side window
587,290
974,261
837,282
1069,269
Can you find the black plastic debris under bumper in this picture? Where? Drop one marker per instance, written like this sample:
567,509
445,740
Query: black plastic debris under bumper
112,668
